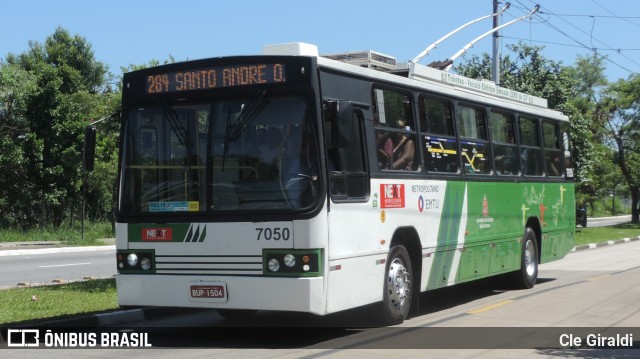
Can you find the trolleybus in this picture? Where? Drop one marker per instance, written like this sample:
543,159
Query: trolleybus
294,181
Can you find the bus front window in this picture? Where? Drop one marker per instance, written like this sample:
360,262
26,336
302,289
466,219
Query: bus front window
258,154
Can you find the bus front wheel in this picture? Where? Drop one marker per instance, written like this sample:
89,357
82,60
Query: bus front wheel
396,300
526,277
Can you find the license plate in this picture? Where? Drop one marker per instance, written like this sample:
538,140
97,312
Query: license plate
213,292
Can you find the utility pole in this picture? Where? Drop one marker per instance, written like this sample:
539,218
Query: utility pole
496,46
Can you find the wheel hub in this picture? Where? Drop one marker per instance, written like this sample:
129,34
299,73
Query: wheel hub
399,283
529,261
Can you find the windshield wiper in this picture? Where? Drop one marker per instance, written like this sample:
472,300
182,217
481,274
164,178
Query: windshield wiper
248,113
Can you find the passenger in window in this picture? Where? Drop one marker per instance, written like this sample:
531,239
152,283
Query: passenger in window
505,160
553,165
524,160
385,149
403,150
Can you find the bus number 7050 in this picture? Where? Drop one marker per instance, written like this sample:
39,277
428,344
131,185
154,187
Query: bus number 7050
276,233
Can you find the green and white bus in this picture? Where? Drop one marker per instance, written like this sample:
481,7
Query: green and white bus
292,181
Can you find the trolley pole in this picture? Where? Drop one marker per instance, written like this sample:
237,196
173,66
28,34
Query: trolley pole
496,46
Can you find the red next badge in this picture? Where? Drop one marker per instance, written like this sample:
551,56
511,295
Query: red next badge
157,234
391,196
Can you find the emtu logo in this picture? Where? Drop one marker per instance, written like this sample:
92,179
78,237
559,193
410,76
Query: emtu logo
157,234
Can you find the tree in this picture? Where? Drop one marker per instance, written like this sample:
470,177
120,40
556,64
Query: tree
65,87
528,71
607,176
623,125
16,85
587,110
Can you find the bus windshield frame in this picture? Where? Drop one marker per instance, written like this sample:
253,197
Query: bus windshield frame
249,147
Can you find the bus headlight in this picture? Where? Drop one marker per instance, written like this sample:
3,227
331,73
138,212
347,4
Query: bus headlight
145,264
274,265
289,260
132,260
135,261
292,262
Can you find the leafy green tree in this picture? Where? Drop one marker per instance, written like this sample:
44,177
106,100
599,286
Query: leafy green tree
16,85
526,71
623,127
608,179
587,109
65,86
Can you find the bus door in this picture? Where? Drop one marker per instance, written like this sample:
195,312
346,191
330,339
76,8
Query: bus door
351,236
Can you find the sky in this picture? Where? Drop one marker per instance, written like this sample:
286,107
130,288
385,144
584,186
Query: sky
136,31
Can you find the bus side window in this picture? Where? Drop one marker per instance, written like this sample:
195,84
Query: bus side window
504,143
436,125
395,131
566,148
552,152
474,146
530,151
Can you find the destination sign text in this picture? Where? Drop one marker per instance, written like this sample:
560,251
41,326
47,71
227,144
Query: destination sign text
215,77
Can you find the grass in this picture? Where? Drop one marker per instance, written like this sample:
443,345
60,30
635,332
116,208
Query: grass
602,234
603,208
71,235
48,302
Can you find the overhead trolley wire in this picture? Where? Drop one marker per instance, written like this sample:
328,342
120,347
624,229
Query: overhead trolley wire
547,22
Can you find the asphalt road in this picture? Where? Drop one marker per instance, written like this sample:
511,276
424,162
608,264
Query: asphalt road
45,268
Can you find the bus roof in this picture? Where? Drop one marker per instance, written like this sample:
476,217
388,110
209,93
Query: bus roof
383,67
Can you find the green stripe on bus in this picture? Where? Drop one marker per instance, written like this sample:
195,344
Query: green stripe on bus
447,234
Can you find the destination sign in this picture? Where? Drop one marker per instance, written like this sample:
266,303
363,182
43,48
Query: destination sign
215,77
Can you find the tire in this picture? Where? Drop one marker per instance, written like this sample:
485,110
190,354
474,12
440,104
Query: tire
526,277
583,223
237,314
396,296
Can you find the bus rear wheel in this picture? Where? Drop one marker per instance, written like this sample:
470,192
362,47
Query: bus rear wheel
396,299
526,277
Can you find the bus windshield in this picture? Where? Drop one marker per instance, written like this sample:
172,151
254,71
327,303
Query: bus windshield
257,153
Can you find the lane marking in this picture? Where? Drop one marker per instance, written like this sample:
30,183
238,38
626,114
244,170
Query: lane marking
65,265
599,277
489,307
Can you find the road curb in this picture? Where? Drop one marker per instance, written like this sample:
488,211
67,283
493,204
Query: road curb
109,319
604,244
